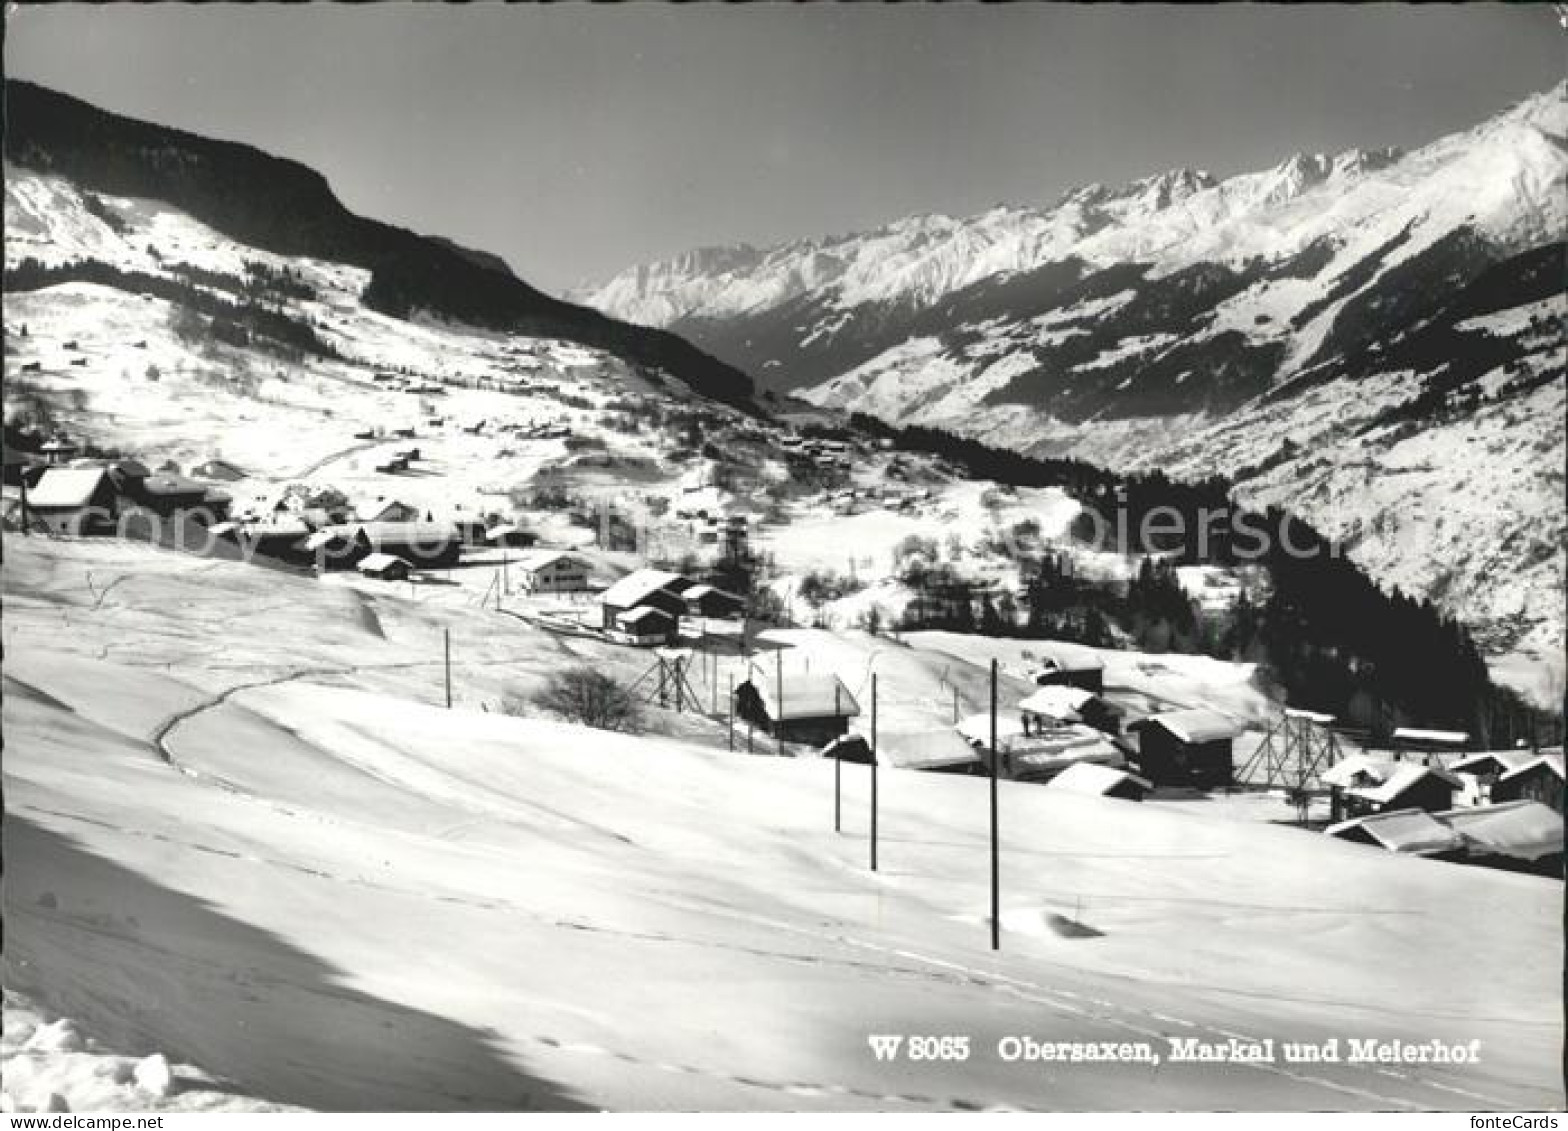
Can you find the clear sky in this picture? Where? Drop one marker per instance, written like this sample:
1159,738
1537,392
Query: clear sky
576,140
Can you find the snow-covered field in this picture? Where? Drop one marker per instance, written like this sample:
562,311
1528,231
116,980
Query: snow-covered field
243,832
48,1064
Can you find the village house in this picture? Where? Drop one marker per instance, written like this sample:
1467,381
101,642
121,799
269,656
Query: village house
1522,836
704,600
510,535
550,571
1044,751
1058,703
384,567
281,539
644,627
1478,772
383,508
1409,832
58,450
1094,780
816,708
1069,666
73,501
219,469
1540,779
644,588
933,751
425,545
1190,747
166,494
1360,785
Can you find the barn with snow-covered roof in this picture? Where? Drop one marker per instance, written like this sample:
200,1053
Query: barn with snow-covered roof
1190,747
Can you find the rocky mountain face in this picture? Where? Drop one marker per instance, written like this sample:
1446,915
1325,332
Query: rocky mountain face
1372,338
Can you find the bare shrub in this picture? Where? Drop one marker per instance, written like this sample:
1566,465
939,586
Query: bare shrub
588,696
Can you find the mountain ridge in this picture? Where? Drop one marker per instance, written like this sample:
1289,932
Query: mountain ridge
1015,237
1302,329
282,206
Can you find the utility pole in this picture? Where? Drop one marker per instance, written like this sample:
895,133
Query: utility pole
778,721
838,776
873,771
996,900
446,649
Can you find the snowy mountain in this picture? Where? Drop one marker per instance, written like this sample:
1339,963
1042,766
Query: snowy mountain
279,206
1168,250
1308,330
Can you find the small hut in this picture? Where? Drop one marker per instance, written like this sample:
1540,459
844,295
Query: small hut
815,709
1190,747
385,567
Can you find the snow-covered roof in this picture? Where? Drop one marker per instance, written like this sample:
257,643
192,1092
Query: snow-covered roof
1197,724
283,526
1310,716
806,697
1069,658
1094,778
372,509
850,747
66,487
220,469
1381,782
1444,737
321,539
1353,768
408,533
1408,831
720,598
534,560
167,483
1054,753
638,586
925,750
1505,760
130,469
1056,701
977,728
1552,762
375,563
643,613
1525,830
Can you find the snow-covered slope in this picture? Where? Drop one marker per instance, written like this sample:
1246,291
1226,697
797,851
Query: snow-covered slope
407,907
269,203
49,1064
